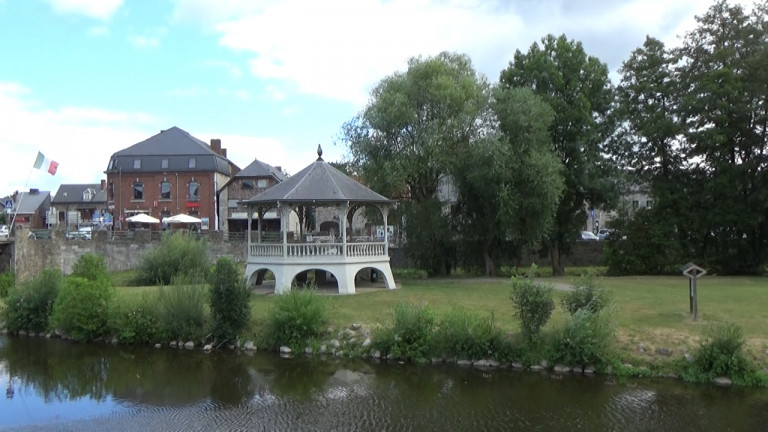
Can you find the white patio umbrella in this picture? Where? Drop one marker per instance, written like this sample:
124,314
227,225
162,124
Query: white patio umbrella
181,218
142,218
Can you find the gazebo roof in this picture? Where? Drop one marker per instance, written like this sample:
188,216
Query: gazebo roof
319,182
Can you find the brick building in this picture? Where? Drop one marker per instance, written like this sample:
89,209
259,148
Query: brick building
168,174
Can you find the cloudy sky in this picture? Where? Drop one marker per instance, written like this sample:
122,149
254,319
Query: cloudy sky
83,79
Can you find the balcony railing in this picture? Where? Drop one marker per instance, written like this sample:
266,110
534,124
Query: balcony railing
319,250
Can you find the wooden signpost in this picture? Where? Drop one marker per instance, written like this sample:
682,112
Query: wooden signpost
693,272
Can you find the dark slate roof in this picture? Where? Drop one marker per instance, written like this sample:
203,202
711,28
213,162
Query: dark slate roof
258,168
319,182
73,194
174,144
27,203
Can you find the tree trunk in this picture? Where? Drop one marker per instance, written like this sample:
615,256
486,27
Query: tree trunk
490,266
557,268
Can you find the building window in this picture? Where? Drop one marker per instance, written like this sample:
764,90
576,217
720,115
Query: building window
194,191
137,164
165,190
138,191
111,191
88,194
164,164
247,184
649,204
111,164
635,204
192,162
262,183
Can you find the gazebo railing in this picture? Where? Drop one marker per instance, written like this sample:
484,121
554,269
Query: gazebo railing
301,250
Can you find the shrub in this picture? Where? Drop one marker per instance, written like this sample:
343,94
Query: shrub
81,309
464,334
91,267
587,338
31,304
136,320
182,310
586,294
721,354
7,281
230,310
533,305
178,254
410,336
296,318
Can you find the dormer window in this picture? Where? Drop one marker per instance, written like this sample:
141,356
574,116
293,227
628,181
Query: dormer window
247,184
193,162
262,183
88,194
137,164
164,164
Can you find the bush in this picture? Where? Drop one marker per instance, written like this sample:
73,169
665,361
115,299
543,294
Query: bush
721,354
467,335
410,336
178,254
230,310
182,310
587,338
295,319
586,294
533,305
31,304
7,281
81,309
91,267
136,320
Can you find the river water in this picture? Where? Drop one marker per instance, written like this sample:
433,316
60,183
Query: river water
59,385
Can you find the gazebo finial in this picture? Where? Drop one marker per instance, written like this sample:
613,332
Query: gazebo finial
319,153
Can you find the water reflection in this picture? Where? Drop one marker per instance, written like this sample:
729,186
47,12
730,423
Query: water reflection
56,385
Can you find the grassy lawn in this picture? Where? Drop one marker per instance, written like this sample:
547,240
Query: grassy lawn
652,311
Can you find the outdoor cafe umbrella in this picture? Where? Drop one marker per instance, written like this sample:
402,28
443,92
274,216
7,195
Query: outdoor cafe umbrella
182,218
142,218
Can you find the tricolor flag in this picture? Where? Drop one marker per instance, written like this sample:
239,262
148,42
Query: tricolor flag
44,163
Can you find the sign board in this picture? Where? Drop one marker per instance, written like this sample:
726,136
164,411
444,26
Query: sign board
8,205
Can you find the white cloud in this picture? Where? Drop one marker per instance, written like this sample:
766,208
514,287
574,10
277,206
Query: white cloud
97,9
339,49
80,139
232,70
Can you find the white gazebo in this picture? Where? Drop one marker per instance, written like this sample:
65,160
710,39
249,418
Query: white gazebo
319,184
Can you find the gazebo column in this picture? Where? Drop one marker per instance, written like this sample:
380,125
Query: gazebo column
384,213
249,209
284,221
344,208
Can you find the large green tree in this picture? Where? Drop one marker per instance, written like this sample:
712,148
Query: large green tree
724,105
509,183
577,88
407,140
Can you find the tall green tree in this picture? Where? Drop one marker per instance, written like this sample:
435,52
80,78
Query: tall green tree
509,184
577,88
407,139
724,105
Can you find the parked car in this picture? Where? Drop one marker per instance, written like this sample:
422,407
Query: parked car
4,232
588,235
83,233
604,233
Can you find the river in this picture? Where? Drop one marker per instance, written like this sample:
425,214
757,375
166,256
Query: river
63,386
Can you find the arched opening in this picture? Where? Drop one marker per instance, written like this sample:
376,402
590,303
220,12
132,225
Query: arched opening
320,279
370,277
261,278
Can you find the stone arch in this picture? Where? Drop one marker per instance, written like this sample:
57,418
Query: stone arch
321,276
257,276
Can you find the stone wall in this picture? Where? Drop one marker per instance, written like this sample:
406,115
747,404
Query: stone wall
33,256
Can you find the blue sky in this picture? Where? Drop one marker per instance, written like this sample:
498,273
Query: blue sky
82,79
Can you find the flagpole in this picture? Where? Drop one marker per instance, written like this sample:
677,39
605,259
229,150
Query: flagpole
15,212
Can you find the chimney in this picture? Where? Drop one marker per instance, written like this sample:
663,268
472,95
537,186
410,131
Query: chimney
103,184
216,145
34,191
224,152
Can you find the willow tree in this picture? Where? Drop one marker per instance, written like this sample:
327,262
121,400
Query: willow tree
406,141
577,88
509,183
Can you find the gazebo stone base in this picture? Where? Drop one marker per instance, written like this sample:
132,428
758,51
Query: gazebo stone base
343,272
